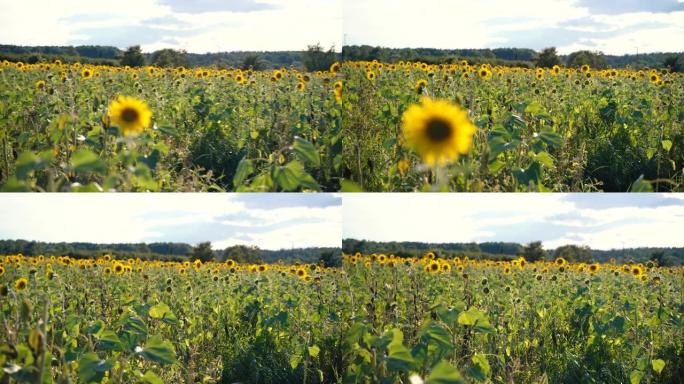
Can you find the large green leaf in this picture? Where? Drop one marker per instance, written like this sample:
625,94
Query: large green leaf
444,373
158,350
306,151
91,369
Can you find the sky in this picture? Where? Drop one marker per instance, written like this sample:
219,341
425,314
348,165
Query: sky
601,221
198,26
269,221
612,26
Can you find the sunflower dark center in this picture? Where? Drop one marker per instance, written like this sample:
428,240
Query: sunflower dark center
129,115
438,130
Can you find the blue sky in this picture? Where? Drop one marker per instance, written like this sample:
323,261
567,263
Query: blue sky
601,221
612,26
270,221
194,25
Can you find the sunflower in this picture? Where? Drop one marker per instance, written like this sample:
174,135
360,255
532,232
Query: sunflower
370,75
118,268
131,115
2,270
438,130
594,268
403,166
21,284
654,78
636,271
420,85
262,268
585,68
40,85
335,67
86,73
301,86
555,70
433,266
560,261
107,271
484,73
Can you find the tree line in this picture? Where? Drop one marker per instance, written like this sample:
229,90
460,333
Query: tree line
313,58
172,252
524,57
507,250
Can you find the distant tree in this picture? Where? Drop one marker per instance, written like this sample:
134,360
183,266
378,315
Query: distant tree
330,259
574,253
170,58
547,58
242,254
317,59
673,64
658,257
534,251
593,59
203,252
133,57
252,61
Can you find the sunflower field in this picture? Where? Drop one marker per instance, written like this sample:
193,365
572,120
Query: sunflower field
72,127
461,127
378,318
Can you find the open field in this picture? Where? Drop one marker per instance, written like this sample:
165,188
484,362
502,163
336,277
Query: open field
488,128
74,127
378,318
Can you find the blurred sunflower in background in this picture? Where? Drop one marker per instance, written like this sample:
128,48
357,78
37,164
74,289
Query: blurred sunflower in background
131,115
438,130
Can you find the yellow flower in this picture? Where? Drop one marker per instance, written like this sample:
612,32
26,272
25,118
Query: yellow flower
40,85
86,73
585,68
131,115
21,284
370,75
118,268
420,85
438,130
403,166
301,86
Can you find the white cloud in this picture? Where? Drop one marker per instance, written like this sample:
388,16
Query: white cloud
284,25
534,24
121,218
557,219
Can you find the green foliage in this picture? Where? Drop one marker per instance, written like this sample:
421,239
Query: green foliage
547,58
133,57
573,253
534,251
202,251
166,58
536,131
315,58
580,58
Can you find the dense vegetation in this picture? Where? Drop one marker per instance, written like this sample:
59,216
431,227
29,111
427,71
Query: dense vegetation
377,319
504,56
105,55
507,250
511,129
160,251
64,128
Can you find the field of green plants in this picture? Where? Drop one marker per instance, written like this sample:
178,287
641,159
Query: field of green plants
378,318
195,129
559,129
